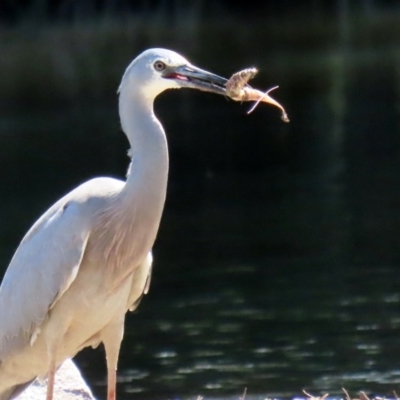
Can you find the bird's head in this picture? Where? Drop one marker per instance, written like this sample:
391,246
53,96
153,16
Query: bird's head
156,70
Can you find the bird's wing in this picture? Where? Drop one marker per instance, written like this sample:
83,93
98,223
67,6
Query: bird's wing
141,283
43,267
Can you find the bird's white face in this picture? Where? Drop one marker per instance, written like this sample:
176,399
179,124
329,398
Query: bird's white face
156,70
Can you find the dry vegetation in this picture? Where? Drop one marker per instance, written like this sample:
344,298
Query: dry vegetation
361,396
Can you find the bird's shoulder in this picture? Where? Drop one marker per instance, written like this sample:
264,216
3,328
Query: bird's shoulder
95,190
80,203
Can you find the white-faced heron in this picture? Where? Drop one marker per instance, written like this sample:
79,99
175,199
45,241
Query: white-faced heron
87,260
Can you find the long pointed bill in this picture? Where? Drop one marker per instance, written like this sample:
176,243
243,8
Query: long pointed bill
192,77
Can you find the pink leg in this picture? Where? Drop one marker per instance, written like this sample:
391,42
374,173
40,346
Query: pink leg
112,337
50,381
111,384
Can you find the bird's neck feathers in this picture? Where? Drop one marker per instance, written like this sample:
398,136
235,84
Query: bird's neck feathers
140,203
149,150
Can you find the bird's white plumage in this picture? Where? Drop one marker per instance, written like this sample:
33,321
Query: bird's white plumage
140,74
88,260
46,263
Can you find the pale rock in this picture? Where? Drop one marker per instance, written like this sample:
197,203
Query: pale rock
69,385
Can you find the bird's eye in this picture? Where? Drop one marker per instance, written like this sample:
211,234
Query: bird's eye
159,66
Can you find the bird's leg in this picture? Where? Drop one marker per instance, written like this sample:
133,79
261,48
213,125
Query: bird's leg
111,383
51,374
50,382
112,337
55,331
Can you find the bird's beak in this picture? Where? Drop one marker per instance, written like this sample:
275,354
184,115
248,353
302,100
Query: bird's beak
192,77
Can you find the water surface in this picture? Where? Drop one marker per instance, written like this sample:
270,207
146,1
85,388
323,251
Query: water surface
277,261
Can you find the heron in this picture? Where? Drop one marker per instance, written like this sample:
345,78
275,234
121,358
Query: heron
87,260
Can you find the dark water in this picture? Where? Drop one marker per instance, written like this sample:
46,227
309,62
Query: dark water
277,265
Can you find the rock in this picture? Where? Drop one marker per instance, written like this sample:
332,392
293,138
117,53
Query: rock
69,384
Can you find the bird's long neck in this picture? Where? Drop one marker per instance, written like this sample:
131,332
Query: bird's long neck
148,172
140,203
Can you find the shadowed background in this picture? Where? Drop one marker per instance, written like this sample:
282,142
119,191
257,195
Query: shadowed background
277,264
